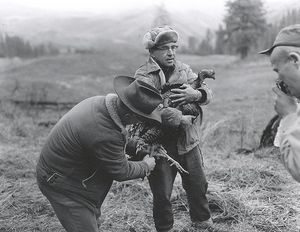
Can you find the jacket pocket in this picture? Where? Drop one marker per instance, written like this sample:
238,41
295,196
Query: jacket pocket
47,176
57,180
190,137
52,178
96,181
89,181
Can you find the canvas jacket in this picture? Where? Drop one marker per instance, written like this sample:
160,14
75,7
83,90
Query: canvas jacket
86,149
152,74
288,139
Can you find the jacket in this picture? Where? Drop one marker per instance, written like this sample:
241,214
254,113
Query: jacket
152,74
288,139
86,149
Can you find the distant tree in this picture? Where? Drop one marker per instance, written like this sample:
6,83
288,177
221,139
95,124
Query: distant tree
267,38
28,51
291,17
183,49
85,50
295,16
10,46
15,46
2,53
39,50
269,35
244,24
192,44
220,44
205,47
162,17
52,50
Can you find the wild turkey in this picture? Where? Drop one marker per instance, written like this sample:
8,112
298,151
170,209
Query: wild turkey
148,134
191,108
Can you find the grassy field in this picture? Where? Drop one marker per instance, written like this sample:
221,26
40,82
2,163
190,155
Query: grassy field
247,192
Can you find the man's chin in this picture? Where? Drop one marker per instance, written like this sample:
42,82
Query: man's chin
170,64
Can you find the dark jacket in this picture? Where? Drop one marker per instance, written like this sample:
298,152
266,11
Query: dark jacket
152,74
87,149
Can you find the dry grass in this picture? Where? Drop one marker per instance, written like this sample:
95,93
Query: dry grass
247,192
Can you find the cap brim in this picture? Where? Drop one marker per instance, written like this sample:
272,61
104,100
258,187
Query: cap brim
267,51
120,82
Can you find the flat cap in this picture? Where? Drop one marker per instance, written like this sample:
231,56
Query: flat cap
288,36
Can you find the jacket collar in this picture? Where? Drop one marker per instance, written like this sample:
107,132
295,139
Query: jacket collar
152,66
111,105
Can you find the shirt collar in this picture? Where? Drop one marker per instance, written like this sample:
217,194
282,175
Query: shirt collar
152,66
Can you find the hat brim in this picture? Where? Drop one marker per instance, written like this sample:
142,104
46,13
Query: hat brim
120,82
267,51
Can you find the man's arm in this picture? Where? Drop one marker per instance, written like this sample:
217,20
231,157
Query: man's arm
111,157
290,144
288,134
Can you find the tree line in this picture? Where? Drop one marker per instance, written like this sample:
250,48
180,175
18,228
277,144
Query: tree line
243,30
15,46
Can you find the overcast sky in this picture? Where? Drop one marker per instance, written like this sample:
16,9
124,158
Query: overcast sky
112,6
115,6
209,7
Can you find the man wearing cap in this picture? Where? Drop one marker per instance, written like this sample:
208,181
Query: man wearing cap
85,152
160,70
285,59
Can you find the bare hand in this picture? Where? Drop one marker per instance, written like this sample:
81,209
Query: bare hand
284,104
150,161
184,95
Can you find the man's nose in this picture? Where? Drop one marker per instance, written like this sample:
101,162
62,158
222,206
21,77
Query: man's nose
170,51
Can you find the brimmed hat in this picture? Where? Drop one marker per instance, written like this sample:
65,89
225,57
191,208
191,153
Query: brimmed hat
159,36
140,97
288,36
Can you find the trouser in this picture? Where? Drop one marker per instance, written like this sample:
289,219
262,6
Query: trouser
73,215
161,183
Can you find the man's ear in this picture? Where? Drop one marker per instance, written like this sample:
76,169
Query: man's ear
294,57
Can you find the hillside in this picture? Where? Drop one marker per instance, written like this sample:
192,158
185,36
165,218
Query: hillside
94,31
82,29
91,29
